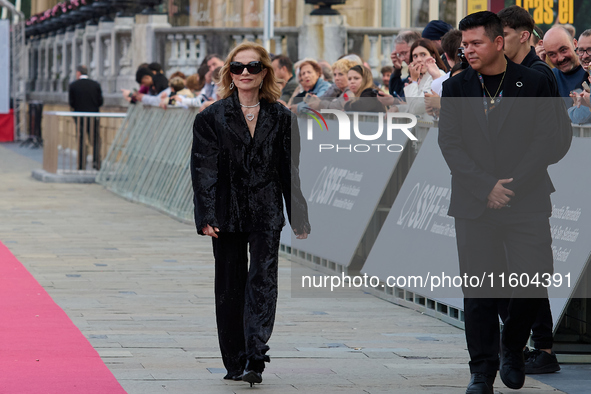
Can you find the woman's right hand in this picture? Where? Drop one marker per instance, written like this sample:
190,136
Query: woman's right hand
210,231
414,69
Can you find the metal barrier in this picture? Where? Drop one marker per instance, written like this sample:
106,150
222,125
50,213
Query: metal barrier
75,143
148,161
582,130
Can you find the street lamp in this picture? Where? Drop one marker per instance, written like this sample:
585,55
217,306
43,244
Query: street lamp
324,6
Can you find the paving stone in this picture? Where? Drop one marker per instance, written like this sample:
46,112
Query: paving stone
140,288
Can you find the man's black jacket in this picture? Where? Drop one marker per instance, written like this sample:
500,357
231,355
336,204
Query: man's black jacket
85,95
519,148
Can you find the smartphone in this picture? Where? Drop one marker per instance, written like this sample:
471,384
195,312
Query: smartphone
585,86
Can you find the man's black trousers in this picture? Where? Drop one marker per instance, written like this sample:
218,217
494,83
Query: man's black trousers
88,130
502,242
245,297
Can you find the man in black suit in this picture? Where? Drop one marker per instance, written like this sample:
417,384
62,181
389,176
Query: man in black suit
85,95
496,132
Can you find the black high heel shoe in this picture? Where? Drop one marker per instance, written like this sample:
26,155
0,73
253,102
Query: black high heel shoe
236,376
252,377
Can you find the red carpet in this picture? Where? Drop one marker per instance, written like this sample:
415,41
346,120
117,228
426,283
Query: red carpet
41,350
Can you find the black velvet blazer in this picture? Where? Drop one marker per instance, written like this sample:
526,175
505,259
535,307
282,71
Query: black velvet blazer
239,181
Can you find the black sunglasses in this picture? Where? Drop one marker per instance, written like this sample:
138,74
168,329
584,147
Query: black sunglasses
237,68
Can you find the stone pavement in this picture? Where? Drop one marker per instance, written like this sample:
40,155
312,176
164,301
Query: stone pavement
139,285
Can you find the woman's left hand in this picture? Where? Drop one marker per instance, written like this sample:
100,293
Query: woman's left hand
300,236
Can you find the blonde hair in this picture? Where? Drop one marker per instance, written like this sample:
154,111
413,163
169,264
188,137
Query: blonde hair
270,91
344,65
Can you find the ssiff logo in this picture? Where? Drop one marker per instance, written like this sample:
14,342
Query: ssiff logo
344,132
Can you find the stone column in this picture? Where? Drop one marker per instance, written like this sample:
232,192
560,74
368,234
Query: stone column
144,38
39,80
103,54
48,42
88,47
77,58
373,60
325,37
122,74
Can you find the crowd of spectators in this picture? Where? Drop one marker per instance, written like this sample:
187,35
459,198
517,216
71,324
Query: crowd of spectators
421,62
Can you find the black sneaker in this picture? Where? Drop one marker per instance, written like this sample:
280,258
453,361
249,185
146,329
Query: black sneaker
529,353
480,384
541,362
512,369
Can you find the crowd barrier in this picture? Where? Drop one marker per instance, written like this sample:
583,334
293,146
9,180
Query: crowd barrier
68,151
148,160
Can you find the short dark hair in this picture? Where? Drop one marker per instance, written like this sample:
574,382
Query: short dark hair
516,18
141,73
386,70
82,70
284,61
489,20
155,67
450,43
211,56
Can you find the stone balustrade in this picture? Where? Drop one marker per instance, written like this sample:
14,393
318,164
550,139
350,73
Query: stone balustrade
112,51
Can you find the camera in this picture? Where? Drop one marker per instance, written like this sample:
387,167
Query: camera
462,56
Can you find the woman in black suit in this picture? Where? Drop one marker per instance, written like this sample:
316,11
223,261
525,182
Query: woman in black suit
244,162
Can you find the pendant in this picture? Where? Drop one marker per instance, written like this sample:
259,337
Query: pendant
492,100
249,117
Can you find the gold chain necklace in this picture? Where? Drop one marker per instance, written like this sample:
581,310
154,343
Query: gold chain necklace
492,98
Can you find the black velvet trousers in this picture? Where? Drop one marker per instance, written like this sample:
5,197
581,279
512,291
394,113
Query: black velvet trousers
502,241
245,296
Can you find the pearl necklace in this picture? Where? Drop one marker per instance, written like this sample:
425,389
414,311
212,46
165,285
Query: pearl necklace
250,117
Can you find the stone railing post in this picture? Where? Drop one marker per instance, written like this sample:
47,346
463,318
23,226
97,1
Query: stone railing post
278,45
77,45
47,65
55,64
88,50
387,48
122,75
202,48
103,54
332,29
144,38
373,60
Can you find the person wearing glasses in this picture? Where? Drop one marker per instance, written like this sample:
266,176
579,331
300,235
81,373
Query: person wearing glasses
580,112
244,163
401,53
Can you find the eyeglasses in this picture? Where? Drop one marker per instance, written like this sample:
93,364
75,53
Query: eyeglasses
237,68
582,51
400,55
